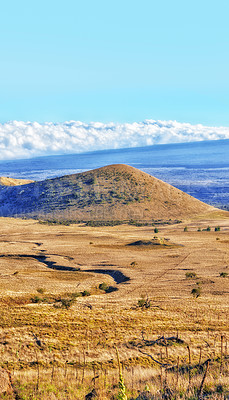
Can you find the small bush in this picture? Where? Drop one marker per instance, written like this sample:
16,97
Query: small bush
196,292
36,299
208,229
144,303
91,181
40,290
64,302
223,274
185,229
86,293
199,230
103,286
221,389
74,295
217,228
155,230
133,264
190,275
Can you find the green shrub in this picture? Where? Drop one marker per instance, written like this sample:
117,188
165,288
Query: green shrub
208,229
133,264
155,230
65,302
190,275
223,274
74,295
104,286
90,181
36,299
196,292
41,290
185,229
221,388
217,228
86,293
144,302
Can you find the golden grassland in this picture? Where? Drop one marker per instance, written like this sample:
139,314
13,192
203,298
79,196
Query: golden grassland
71,295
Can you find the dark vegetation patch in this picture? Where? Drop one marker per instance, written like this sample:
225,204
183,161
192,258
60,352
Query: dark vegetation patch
143,243
131,222
94,223
156,241
65,300
223,274
196,291
107,288
191,275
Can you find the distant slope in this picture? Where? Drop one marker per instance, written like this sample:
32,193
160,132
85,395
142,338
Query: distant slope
114,192
4,181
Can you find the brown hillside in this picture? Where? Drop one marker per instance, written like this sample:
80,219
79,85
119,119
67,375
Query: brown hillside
4,181
115,192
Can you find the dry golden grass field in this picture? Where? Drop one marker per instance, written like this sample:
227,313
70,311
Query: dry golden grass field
71,295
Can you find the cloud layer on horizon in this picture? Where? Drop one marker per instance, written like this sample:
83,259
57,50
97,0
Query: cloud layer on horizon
31,139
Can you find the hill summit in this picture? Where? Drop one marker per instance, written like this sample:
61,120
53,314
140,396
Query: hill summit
115,192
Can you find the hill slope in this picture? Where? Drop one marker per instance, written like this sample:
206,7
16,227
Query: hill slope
5,181
115,192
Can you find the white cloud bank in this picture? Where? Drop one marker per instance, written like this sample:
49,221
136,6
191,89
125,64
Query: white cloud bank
30,139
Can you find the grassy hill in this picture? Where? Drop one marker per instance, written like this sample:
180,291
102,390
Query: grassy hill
115,192
5,181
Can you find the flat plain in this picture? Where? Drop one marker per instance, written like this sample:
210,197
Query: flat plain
71,296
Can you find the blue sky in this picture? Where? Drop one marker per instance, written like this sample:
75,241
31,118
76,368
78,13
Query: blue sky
115,61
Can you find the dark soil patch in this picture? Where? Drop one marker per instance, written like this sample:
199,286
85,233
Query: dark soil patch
43,259
118,276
